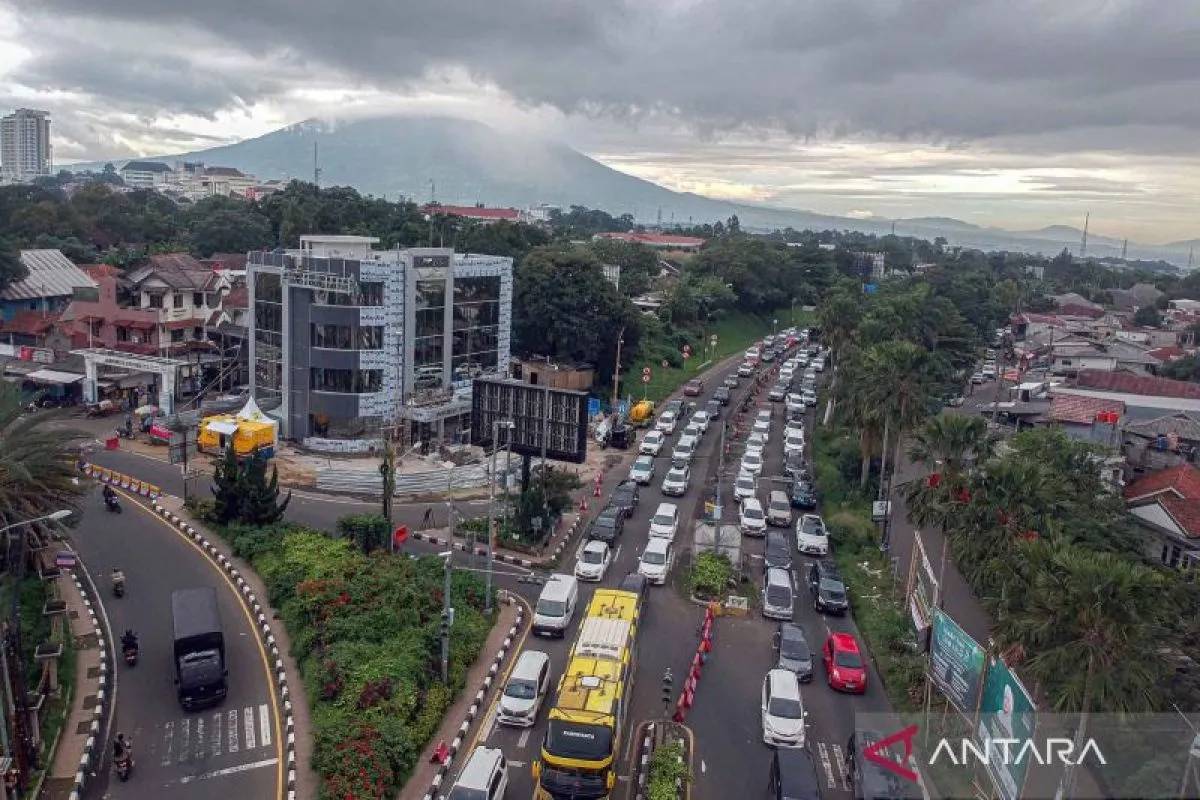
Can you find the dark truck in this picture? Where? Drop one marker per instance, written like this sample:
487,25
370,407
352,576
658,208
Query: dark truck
200,668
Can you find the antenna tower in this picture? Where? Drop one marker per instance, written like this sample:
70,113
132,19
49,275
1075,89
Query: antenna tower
1124,248
316,166
1083,242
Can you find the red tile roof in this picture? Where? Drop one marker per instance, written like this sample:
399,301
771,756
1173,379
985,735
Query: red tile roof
100,270
238,297
1073,310
474,212
1181,482
660,239
29,323
1129,383
1081,410
1168,353
1186,514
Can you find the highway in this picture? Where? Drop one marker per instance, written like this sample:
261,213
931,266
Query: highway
232,750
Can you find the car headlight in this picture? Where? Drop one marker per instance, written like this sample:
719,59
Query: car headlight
837,676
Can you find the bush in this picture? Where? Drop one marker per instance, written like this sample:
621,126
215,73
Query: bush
852,530
710,575
368,531
666,767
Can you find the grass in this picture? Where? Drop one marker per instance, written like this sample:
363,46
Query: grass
735,332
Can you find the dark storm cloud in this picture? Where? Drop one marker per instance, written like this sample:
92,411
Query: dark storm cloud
943,70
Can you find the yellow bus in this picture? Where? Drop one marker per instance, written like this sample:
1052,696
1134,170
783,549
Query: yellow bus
586,724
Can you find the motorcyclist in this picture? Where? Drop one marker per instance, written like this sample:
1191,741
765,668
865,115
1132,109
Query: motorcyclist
118,577
122,748
109,494
129,641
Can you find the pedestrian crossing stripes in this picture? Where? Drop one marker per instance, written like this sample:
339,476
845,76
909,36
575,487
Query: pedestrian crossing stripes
833,763
203,736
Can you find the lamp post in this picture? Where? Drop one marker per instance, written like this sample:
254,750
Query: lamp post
507,424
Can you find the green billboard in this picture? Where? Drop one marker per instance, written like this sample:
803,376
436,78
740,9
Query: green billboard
1006,713
955,663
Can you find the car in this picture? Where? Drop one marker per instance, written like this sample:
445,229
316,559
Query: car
778,551
844,666
763,415
693,388
655,561
693,430
782,710
752,463
768,356
731,381
652,443
642,470
753,352
795,465
762,426
527,687
756,443
713,409
674,406
828,591
955,402
746,485
793,441
635,583
777,598
626,496
675,482
722,395
701,420
794,425
777,392
977,378
485,775
665,521
608,525
812,538
666,423
794,654
745,370
684,450
593,560
793,400
810,398
751,518
803,494
768,341
819,365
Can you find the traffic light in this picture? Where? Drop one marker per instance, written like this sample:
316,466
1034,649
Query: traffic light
667,680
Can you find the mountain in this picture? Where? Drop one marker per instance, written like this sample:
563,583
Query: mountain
466,162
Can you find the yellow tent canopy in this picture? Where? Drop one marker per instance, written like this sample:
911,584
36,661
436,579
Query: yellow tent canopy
248,436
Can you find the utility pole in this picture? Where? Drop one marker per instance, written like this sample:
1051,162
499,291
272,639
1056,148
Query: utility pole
316,167
718,508
447,609
491,534
617,367
388,471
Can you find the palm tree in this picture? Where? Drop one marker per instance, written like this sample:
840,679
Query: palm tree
899,377
37,464
838,316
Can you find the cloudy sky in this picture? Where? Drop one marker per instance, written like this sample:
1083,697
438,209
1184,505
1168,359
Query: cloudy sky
1009,112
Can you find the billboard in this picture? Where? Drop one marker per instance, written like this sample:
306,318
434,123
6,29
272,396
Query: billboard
1006,713
955,663
557,416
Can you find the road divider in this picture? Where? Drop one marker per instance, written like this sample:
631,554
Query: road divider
120,480
687,695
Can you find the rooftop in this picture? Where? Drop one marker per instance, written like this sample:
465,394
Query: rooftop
1182,481
1183,424
29,323
1080,410
654,239
473,212
1129,383
51,274
145,166
177,270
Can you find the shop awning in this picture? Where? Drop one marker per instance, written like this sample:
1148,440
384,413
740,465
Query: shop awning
226,428
135,323
53,377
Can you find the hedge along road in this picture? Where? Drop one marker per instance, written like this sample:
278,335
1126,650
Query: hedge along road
233,749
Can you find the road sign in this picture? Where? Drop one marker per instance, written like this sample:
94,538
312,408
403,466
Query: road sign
645,379
400,535
593,406
713,340
687,349
64,559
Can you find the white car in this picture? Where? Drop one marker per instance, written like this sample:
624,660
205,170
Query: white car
762,426
793,400
751,518
811,537
753,353
810,399
675,482
656,560
756,443
642,471
701,420
745,486
666,423
819,365
763,415
665,521
745,370
593,561
793,442
693,430
752,463
652,443
782,709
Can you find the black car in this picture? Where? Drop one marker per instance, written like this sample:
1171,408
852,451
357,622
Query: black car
722,395
803,494
608,525
795,465
625,497
778,552
713,407
828,591
636,583
794,653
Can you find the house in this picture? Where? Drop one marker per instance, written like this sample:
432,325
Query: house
662,241
1077,415
1150,337
51,282
1166,507
1145,396
1135,297
107,321
1167,354
146,174
1186,306
1075,300
477,213
34,329
1028,324
1073,354
182,294
1162,442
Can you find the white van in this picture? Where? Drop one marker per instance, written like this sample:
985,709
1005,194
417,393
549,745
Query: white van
779,509
526,689
666,423
485,777
685,448
665,521
556,605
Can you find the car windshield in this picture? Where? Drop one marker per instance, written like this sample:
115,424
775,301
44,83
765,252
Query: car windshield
785,708
677,476
520,689
464,793
653,557
593,556
812,526
795,647
605,522
778,596
551,608
750,512
751,458
745,483
663,520
833,590
847,659
644,462
580,741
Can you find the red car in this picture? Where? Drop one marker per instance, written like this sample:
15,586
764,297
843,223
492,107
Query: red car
844,665
693,388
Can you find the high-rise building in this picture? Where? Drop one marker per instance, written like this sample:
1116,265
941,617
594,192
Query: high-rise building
25,145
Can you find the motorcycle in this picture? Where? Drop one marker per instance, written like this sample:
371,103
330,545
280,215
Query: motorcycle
118,585
123,765
131,655
112,504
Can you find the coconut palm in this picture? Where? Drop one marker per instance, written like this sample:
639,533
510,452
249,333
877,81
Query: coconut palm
898,376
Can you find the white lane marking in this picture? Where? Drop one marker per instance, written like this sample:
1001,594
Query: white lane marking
524,737
217,773
703,767
248,722
185,731
199,739
841,762
231,727
264,726
168,741
489,723
824,753
517,763
216,734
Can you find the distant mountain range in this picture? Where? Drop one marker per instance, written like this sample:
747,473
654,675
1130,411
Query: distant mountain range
461,161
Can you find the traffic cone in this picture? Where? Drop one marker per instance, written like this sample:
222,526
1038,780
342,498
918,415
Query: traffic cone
583,505
705,645
596,490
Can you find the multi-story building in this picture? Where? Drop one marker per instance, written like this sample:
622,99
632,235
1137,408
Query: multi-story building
25,145
348,341
146,174
180,294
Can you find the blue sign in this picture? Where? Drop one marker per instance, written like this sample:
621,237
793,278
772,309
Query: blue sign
623,408
870,288
593,406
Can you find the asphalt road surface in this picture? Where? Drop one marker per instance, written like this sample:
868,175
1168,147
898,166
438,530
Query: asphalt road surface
232,750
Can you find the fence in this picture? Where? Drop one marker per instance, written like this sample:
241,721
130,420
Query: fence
370,482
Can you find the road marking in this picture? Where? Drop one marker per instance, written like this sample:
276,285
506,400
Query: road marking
248,722
524,738
217,773
168,741
841,762
703,767
232,727
199,739
264,726
824,753
518,763
216,738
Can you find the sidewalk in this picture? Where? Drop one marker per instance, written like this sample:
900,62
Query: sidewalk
463,719
81,732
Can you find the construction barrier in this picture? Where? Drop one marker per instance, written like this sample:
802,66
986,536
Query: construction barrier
120,479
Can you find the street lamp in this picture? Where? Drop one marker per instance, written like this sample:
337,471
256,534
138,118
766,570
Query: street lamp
62,513
508,425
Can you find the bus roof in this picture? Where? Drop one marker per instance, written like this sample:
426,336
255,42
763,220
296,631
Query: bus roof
613,604
603,638
589,690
